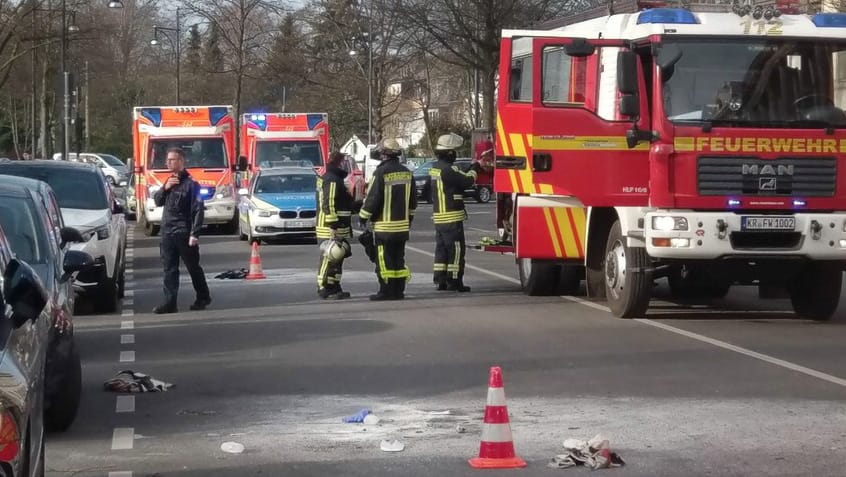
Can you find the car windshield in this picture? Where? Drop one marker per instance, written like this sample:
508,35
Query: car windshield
281,153
761,82
112,160
74,188
24,230
208,153
286,184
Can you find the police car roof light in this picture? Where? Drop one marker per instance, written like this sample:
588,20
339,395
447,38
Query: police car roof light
667,15
830,20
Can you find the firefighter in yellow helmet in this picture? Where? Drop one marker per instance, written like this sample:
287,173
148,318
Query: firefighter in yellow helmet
389,205
334,205
448,186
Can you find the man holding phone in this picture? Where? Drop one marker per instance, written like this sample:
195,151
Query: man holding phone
182,220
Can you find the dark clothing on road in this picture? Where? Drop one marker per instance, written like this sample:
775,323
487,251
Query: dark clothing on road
183,207
182,218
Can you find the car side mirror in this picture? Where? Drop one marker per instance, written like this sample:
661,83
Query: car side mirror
242,164
243,192
24,292
76,261
70,235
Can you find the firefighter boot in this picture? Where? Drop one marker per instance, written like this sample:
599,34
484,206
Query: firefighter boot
397,288
440,279
384,292
458,286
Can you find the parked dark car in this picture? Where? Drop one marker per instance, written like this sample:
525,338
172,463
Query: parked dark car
88,204
423,182
24,323
30,215
483,188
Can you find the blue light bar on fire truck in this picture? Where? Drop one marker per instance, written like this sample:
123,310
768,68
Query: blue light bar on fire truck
667,15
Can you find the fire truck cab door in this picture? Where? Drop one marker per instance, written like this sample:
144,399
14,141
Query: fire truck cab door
578,142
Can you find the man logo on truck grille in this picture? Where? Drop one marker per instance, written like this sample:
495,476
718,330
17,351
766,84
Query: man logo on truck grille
766,184
767,170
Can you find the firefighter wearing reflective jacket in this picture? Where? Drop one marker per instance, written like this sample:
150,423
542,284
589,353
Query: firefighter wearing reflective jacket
333,224
389,205
448,186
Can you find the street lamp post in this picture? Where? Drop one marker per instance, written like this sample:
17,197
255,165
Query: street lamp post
353,53
66,115
177,47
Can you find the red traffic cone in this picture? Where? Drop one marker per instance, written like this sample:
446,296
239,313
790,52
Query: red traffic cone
497,448
255,264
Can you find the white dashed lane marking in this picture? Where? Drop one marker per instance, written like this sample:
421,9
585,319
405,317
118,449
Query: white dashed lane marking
127,356
123,438
127,325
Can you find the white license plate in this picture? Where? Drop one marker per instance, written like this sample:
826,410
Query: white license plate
297,224
768,223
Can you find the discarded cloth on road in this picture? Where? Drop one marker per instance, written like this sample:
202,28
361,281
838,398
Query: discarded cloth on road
233,274
129,381
359,417
594,454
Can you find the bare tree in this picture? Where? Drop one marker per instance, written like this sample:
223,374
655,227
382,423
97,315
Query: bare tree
243,26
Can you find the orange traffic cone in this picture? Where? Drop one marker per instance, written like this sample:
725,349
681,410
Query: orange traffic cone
497,448
255,264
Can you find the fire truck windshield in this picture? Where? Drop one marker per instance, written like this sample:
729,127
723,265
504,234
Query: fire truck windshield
280,153
760,82
208,152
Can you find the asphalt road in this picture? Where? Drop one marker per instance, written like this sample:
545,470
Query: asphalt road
706,389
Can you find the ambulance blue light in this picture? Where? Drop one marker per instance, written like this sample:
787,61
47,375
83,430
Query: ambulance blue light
733,203
216,114
667,15
830,20
799,203
154,115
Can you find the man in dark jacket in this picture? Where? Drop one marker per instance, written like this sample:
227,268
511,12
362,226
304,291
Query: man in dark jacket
333,223
390,203
181,223
448,186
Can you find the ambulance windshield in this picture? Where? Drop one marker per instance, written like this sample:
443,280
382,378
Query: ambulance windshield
208,153
288,153
755,82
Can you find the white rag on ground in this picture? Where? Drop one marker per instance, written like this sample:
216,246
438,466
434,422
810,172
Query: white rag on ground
129,381
594,454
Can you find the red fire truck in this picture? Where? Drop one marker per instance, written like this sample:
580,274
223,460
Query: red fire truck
207,135
704,147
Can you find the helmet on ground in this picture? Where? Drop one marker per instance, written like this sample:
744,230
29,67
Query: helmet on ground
390,147
449,142
335,250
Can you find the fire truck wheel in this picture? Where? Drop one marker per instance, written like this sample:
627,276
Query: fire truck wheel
628,286
815,291
538,277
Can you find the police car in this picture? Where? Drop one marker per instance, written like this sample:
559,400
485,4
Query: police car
279,202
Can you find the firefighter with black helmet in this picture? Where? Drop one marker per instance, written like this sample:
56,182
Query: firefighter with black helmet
448,186
333,227
389,205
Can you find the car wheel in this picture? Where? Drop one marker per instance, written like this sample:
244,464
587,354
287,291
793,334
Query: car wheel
483,195
232,226
64,407
150,230
121,284
107,298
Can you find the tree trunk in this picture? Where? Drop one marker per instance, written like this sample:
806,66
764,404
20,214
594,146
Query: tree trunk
488,97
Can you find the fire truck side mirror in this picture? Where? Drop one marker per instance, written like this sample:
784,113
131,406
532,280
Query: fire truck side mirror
627,81
630,105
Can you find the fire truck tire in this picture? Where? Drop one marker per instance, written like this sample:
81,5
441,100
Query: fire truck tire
628,284
538,277
570,278
815,291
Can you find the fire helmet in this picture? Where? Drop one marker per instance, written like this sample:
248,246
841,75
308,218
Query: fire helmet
449,142
335,250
